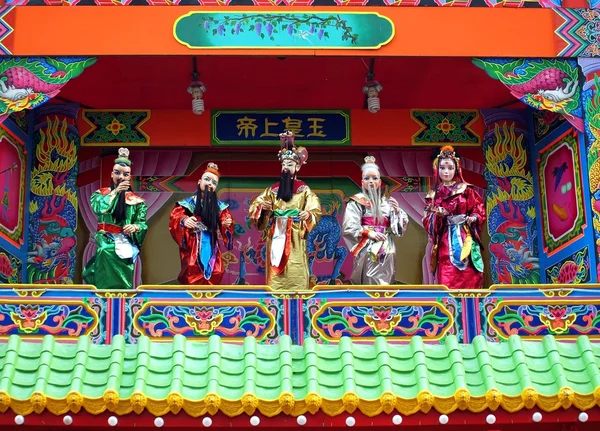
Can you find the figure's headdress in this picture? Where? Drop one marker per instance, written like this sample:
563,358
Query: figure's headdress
447,152
369,164
213,169
289,151
123,157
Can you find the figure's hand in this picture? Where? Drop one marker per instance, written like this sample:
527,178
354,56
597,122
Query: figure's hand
471,220
129,229
441,211
304,215
377,236
191,223
123,186
267,206
395,206
227,222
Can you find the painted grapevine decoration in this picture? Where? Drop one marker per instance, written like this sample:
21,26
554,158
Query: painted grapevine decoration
283,30
265,25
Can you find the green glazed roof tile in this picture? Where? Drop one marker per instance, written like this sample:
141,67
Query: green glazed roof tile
237,378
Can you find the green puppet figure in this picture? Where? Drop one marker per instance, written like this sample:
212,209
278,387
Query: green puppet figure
121,229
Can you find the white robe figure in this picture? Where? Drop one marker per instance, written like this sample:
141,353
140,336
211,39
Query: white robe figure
374,261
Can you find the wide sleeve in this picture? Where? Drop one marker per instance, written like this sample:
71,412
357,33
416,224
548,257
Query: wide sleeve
178,231
432,222
227,232
312,205
475,207
352,225
258,216
139,220
103,204
398,222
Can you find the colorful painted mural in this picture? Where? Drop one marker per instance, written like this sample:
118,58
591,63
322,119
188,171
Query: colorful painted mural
445,127
68,319
21,120
544,84
330,320
259,318
5,28
561,194
545,122
13,171
576,33
10,268
574,269
591,99
549,317
283,30
325,315
29,82
115,128
53,203
510,206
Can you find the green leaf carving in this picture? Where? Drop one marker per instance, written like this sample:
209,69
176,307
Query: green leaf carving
254,319
433,319
76,316
509,318
155,318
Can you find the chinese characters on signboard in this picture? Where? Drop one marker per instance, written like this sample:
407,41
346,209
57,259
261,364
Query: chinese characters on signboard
263,128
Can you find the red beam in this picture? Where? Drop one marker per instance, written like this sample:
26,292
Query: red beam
457,421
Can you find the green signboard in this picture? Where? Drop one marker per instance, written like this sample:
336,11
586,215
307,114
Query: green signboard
283,30
259,128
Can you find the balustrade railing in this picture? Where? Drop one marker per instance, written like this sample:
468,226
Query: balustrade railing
326,314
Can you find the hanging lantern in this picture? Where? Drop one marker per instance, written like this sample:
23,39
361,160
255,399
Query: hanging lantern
197,90
372,89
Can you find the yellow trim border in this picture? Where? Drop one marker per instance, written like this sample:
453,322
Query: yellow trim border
287,404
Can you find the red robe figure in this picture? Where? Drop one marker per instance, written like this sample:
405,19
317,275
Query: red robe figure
454,217
194,224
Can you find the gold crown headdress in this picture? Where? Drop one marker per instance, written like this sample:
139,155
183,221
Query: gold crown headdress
447,152
213,169
123,157
289,151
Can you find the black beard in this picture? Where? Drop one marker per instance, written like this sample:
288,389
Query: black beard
209,212
286,186
198,207
120,212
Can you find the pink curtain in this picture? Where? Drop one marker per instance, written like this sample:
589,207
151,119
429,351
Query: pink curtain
89,218
144,163
415,163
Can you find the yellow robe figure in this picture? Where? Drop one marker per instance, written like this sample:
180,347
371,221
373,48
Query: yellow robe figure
287,262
